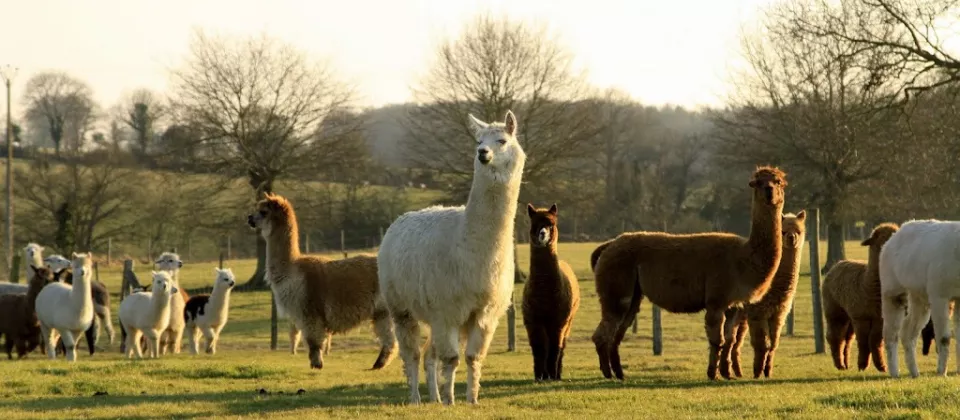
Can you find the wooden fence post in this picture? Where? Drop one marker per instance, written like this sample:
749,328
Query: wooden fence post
343,243
814,240
273,321
306,243
657,331
221,260
229,249
381,236
789,328
15,269
109,250
636,319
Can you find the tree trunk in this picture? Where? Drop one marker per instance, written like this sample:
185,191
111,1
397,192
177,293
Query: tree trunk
835,245
259,279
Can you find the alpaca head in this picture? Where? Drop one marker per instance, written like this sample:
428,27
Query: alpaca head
794,229
33,252
169,261
768,183
82,265
57,263
41,276
163,283
225,279
272,213
879,236
499,155
543,225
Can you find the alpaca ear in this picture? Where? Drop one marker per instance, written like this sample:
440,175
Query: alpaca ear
510,121
475,124
553,209
530,210
802,215
34,267
753,184
75,255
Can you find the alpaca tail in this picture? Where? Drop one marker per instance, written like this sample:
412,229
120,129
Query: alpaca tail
596,254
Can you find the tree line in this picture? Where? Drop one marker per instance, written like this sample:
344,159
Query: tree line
855,101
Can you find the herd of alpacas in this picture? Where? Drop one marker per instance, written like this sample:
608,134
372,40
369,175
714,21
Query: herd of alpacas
451,269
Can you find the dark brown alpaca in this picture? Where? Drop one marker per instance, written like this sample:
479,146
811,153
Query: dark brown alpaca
851,305
688,273
321,296
765,318
551,296
18,317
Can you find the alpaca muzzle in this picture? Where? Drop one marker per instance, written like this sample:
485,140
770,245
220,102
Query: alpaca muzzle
768,193
484,156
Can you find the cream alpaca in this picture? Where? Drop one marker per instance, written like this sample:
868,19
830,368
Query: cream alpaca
67,309
32,257
98,290
207,314
148,313
452,267
172,338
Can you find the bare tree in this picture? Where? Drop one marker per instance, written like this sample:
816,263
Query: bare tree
141,110
493,66
259,107
815,106
63,103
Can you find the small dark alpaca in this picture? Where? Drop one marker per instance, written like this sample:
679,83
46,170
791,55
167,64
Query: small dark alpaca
551,296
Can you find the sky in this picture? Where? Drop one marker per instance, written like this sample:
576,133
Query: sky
674,52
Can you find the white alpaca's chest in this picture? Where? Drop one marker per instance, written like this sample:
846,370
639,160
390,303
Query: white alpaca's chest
57,307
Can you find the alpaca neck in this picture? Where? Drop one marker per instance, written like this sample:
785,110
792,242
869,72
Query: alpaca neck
544,263
766,231
283,248
789,268
490,213
32,291
159,301
80,291
873,268
220,301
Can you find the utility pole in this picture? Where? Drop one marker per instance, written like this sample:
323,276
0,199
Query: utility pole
8,73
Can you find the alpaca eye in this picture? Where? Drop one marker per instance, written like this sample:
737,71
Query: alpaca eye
502,141
263,213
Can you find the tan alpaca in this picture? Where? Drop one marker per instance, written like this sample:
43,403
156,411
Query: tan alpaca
851,304
688,273
765,318
321,296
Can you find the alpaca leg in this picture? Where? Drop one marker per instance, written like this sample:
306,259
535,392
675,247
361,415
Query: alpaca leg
956,337
758,340
553,354
408,337
848,337
446,342
69,345
741,331
478,342
314,337
917,316
537,336
731,320
383,327
430,363
194,333
176,341
940,314
713,321
776,326
91,335
48,340
107,322
894,312
861,328
563,348
294,338
836,338
135,336
208,336
876,344
8,346
216,339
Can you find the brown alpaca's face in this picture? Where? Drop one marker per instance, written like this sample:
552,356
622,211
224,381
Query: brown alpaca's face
543,225
880,235
768,185
269,213
794,228
43,276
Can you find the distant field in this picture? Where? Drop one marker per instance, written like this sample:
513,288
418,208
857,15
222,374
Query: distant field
672,386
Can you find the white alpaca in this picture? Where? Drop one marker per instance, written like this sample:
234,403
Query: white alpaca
172,337
148,313
32,257
207,314
452,267
101,297
919,270
67,309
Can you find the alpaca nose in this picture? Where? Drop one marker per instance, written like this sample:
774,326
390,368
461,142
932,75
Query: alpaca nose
250,220
484,155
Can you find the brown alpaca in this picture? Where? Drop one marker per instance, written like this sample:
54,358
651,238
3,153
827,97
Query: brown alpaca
551,296
851,305
765,318
688,273
321,296
18,317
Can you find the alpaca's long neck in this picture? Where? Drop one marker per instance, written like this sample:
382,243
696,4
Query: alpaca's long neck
490,212
283,248
873,268
160,300
766,235
32,291
220,302
789,269
80,291
544,264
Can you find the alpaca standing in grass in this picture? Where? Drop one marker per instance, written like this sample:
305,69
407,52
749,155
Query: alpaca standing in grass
101,298
551,296
32,257
688,273
918,269
452,267
207,314
851,304
18,317
67,309
148,313
172,338
321,296
764,319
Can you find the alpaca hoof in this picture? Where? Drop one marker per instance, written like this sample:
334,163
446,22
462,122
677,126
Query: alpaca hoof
316,365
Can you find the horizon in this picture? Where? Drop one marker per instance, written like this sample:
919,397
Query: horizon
117,47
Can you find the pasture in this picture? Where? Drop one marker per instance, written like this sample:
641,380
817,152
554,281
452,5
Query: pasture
674,385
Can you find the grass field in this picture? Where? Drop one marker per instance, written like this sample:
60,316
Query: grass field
671,386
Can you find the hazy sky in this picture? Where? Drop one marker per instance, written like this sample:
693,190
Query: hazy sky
660,51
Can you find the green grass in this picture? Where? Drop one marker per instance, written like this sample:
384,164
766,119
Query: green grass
674,386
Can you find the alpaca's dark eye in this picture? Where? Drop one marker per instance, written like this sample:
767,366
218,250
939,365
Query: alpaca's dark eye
263,213
502,141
